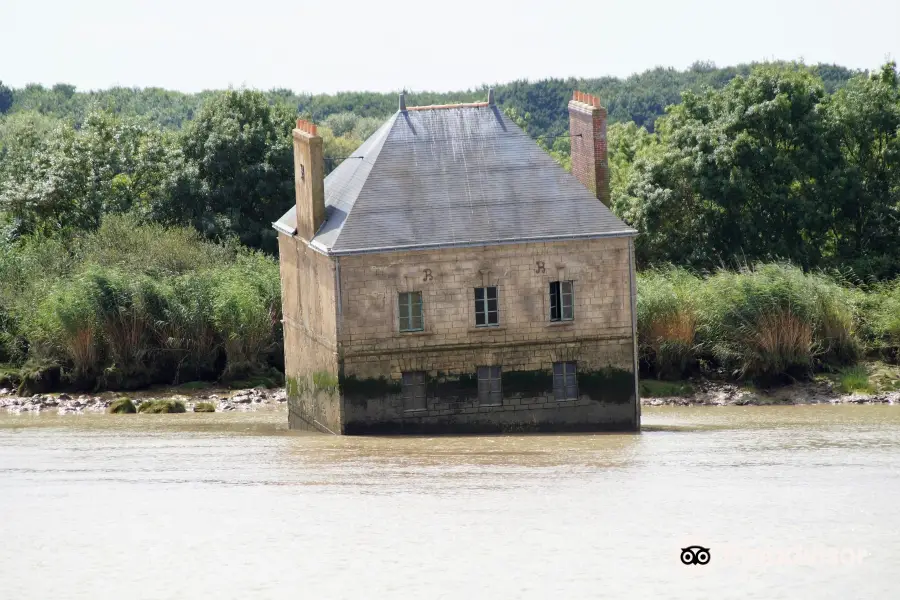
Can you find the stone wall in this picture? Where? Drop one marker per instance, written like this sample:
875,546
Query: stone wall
374,352
310,336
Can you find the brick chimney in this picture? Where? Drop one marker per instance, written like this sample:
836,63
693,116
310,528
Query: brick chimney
309,179
587,128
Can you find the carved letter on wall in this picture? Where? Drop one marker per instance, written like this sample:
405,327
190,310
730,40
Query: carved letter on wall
540,267
428,276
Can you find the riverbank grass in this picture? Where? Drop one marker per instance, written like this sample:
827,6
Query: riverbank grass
854,379
204,407
9,376
654,388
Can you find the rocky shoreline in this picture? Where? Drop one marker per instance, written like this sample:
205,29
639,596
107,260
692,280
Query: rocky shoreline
224,400
708,393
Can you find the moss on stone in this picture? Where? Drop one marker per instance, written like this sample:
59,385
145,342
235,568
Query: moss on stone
528,384
320,381
609,384
122,406
354,387
324,381
292,387
453,388
161,406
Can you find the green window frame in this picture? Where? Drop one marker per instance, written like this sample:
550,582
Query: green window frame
487,307
562,300
565,381
411,315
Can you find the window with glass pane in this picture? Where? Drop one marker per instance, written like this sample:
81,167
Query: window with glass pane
489,391
562,300
565,381
413,386
411,311
487,311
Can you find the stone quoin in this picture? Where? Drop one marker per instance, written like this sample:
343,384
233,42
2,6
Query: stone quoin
449,276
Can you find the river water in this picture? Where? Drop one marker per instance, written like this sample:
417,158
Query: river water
793,502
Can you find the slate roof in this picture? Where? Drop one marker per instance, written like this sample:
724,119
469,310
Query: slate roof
458,176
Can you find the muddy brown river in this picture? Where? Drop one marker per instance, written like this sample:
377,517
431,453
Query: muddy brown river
792,502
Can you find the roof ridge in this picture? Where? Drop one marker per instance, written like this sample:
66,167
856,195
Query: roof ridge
442,106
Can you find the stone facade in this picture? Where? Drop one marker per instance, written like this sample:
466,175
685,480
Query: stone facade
347,354
310,334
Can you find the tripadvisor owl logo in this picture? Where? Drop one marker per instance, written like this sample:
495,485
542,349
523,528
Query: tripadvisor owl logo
695,555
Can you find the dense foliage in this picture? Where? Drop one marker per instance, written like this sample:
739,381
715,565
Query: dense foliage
122,215
771,167
768,321
127,305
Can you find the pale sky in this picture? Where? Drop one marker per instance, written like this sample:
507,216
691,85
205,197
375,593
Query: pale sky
385,45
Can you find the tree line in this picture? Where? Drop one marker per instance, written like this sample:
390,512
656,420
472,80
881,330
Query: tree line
770,167
713,166
716,168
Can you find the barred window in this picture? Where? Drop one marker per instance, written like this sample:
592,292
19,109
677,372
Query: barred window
411,311
413,386
487,312
565,382
489,391
562,300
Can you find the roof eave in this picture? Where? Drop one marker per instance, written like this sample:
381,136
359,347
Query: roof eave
444,246
283,228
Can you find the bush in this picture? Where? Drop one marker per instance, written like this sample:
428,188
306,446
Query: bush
125,243
122,406
133,304
161,406
667,321
854,379
204,407
775,320
187,332
9,376
247,311
881,319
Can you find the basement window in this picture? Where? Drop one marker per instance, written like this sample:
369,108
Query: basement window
487,311
565,382
489,391
413,386
562,300
410,304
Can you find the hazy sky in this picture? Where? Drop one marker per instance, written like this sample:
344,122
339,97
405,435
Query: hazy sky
382,45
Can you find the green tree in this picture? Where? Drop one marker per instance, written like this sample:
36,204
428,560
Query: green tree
68,179
865,119
625,143
740,174
6,98
237,172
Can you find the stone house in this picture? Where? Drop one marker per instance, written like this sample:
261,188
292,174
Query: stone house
450,276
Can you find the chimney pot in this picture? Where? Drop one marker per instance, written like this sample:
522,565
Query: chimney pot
491,96
402,102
